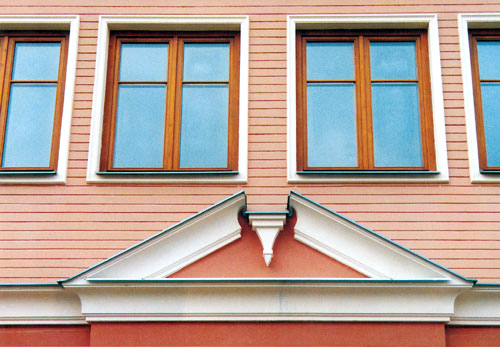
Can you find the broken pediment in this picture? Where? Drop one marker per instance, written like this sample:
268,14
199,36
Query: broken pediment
211,242
212,267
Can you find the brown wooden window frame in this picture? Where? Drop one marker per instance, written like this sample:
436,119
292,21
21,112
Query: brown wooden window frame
362,79
7,46
474,36
171,141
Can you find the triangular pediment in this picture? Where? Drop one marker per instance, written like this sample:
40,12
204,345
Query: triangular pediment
361,248
173,248
345,249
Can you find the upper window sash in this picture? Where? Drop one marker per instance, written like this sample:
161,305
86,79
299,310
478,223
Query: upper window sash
484,51
32,92
355,89
193,106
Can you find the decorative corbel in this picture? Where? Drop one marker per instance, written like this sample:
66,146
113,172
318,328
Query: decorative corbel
267,226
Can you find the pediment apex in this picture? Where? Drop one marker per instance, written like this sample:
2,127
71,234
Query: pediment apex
361,248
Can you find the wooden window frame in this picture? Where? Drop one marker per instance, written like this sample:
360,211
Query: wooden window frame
7,44
474,36
362,79
171,151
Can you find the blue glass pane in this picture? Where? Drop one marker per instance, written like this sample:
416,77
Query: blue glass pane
393,60
330,60
204,123
140,120
143,61
36,61
488,53
490,93
331,125
30,119
206,62
396,125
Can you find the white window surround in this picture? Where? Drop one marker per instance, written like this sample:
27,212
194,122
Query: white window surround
466,22
177,23
67,23
388,21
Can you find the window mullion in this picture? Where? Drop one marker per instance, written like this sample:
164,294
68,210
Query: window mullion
170,121
367,162
177,107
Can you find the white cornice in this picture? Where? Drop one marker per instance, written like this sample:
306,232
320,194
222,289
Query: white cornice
261,300
39,305
479,306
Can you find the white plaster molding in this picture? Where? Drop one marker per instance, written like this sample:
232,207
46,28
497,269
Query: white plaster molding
267,227
175,247
466,22
479,306
71,24
177,23
289,300
382,21
39,305
359,247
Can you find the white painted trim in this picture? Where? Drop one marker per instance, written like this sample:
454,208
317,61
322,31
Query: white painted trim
107,23
71,23
21,306
262,301
360,248
465,22
404,21
479,306
174,248
268,318
267,227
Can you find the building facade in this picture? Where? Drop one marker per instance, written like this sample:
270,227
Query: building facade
321,173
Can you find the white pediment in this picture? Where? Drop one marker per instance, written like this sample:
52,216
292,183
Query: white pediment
317,226
173,248
361,248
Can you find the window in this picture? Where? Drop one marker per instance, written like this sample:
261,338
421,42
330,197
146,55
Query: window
33,75
485,49
363,101
171,102
369,27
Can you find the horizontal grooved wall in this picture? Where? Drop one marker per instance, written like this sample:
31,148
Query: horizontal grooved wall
52,232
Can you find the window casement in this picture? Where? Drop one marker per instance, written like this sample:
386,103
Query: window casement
485,50
171,102
364,101
32,71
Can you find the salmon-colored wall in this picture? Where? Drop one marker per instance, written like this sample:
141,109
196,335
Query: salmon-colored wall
44,335
268,334
472,336
243,258
52,232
